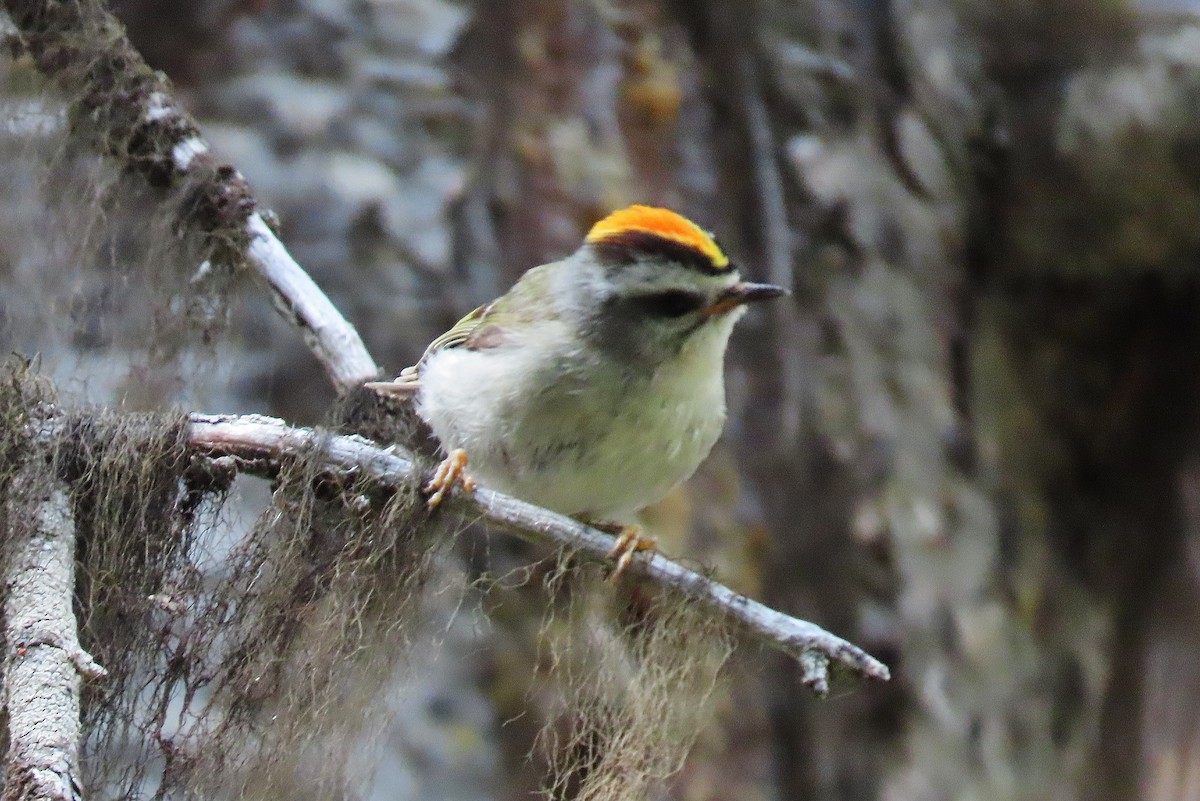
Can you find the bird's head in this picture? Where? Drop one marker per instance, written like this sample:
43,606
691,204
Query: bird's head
649,280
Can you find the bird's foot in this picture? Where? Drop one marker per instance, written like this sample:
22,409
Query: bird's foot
451,471
629,542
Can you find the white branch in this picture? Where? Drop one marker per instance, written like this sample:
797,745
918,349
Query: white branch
260,443
334,342
43,661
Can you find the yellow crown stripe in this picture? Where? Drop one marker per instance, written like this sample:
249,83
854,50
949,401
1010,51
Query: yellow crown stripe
659,222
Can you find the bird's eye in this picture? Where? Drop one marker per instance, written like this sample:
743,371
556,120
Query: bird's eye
671,303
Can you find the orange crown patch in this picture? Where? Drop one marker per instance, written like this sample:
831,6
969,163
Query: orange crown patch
663,223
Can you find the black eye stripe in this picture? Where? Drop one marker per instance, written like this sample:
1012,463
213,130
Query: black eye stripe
669,303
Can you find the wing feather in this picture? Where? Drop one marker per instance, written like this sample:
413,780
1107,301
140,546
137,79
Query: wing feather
486,327
459,335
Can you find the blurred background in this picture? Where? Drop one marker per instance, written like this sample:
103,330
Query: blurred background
969,444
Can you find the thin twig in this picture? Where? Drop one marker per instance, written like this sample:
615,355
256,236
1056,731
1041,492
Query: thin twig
43,663
260,443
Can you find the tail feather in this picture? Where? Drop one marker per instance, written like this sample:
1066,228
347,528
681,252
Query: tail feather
405,385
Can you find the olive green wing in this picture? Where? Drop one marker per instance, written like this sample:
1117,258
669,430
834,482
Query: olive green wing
484,328
460,334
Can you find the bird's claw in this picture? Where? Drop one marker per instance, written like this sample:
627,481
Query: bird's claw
629,542
452,470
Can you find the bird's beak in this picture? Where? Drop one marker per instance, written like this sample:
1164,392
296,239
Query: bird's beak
740,294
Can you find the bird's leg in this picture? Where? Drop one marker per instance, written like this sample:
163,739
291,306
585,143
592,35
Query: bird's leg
629,542
451,471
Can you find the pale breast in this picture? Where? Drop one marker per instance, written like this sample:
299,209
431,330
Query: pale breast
575,435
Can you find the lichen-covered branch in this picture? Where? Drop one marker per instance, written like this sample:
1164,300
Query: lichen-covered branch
258,444
43,661
126,110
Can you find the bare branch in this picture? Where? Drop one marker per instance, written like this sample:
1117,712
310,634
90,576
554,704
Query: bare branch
43,662
335,343
126,110
260,443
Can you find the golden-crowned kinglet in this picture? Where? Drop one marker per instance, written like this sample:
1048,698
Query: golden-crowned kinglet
595,384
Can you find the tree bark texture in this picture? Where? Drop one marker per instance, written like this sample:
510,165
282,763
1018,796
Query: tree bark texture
44,663
978,407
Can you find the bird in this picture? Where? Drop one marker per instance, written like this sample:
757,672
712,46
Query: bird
595,385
